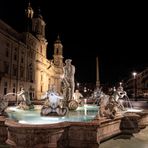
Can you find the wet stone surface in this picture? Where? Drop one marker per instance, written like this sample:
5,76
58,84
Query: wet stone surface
138,140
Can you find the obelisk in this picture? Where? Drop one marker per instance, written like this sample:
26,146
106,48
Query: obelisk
97,73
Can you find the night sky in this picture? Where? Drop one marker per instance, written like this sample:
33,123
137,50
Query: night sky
116,32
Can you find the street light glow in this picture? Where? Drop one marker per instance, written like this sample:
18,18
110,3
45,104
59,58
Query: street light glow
134,74
120,83
135,85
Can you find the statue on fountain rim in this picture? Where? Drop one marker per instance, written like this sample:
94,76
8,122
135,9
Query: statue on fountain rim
69,72
115,106
53,105
77,97
110,105
3,105
25,102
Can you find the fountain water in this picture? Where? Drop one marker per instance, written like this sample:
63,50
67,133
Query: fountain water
129,106
83,113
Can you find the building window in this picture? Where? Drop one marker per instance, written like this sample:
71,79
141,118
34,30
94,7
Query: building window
6,67
41,88
30,73
31,76
5,91
5,88
30,94
31,54
5,84
13,91
14,88
21,72
13,84
14,70
41,77
7,53
48,83
7,44
41,49
22,60
14,57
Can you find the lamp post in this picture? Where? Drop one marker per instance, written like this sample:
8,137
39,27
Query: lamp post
135,85
78,84
120,83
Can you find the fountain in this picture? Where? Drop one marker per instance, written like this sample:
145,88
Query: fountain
52,131
28,128
62,122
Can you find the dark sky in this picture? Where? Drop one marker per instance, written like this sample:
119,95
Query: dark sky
116,32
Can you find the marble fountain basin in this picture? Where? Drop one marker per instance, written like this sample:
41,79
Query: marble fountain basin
77,129
30,129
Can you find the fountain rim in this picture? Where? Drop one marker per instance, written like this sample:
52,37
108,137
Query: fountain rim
14,123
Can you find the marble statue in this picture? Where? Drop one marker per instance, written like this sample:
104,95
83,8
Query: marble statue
76,96
52,105
119,93
25,102
69,72
102,100
115,105
96,94
65,89
110,105
3,105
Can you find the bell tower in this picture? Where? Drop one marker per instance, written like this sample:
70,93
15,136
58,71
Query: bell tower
58,52
38,30
38,25
28,18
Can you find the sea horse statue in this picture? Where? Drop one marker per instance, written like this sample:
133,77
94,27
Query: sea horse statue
111,106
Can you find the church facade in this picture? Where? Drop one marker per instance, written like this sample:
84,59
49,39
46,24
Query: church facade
23,61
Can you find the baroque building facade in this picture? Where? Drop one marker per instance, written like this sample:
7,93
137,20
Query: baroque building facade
23,61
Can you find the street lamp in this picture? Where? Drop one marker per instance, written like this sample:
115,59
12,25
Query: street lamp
135,85
78,84
120,83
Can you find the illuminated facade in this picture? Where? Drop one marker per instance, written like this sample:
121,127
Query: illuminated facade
23,61
141,85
